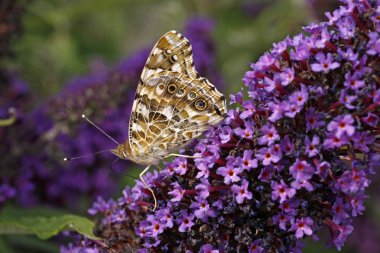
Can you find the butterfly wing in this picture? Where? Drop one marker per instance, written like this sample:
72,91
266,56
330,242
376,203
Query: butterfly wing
184,109
173,105
173,53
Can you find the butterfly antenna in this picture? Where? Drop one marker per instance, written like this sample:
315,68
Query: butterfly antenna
82,156
97,127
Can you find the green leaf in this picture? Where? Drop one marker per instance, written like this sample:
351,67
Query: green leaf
43,223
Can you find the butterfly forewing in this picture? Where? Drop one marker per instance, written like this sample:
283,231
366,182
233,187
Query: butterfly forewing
173,53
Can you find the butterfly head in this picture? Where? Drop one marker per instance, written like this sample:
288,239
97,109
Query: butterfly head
123,151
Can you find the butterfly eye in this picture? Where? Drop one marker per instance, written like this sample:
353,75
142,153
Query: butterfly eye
172,88
192,94
200,104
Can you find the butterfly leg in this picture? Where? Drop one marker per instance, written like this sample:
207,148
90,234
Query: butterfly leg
148,187
185,156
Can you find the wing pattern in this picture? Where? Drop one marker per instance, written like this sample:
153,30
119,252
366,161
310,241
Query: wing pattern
173,104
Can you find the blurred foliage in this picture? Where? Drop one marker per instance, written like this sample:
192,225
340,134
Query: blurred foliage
62,37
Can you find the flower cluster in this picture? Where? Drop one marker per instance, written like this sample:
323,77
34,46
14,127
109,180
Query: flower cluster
293,158
40,138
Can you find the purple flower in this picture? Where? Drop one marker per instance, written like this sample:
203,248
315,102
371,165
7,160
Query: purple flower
287,146
339,210
282,219
230,172
202,209
286,76
247,162
118,216
185,221
301,50
301,170
151,242
266,174
292,108
208,249
270,84
290,206
347,99
353,81
165,217
155,227
180,165
361,141
225,134
322,168
101,206
299,98
255,247
249,109
325,63
349,54
346,27
373,43
339,233
281,191
313,120
357,205
332,141
247,132
269,135
311,147
236,98
343,124
371,119
203,188
241,192
269,155
177,192
302,227
203,170
302,183
353,181
141,230
277,111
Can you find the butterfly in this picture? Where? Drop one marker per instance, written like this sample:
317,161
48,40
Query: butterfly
172,106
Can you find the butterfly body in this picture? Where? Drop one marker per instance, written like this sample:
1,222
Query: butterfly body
173,104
